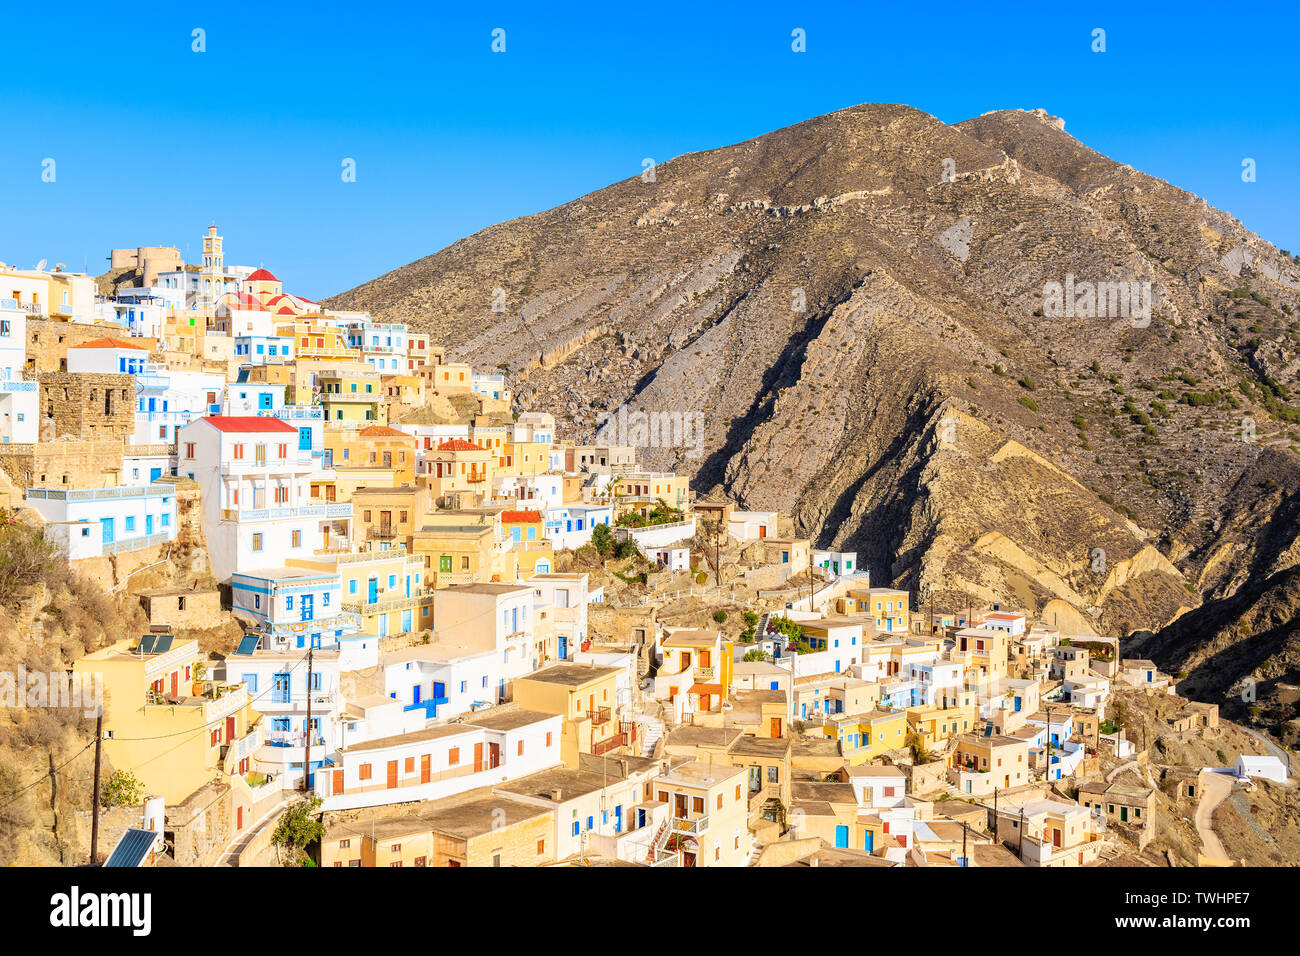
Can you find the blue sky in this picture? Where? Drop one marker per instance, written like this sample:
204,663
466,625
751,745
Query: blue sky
151,140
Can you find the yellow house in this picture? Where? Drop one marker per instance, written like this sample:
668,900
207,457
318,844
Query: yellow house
863,737
162,722
449,379
585,697
374,446
389,514
384,589
458,465
888,607
708,812
696,661
524,528
464,547
940,724
641,492
526,458
983,652
404,389
352,397
315,339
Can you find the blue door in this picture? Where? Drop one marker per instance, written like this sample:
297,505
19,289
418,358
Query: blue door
383,625
842,837
415,694
154,474
106,526
304,439
618,818
372,591
868,841
280,689
148,524
264,400
305,603
563,648
406,621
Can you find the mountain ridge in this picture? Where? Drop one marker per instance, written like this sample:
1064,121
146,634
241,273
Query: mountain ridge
825,294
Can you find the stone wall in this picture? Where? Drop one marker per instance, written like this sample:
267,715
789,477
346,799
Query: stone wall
87,405
64,463
182,607
48,341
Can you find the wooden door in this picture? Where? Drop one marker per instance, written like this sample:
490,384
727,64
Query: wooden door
478,757
338,782
392,774
425,775
776,727
176,680
494,755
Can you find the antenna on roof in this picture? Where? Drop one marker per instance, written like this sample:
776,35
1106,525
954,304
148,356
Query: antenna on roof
40,265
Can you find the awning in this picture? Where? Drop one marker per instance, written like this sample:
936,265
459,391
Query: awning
711,689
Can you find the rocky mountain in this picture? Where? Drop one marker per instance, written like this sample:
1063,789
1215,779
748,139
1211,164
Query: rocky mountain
884,325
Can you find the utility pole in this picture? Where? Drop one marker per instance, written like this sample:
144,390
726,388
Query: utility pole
964,827
306,757
1020,850
94,819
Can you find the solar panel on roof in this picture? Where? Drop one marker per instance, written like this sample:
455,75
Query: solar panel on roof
248,644
146,643
164,644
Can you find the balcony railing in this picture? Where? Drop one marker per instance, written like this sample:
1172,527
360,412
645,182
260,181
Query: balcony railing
706,674
695,828
609,743
600,716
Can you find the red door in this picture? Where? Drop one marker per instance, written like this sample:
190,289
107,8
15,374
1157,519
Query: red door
239,818
338,782
494,755
230,729
478,757
176,683
392,774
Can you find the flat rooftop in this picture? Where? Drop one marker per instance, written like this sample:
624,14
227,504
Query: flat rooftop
569,675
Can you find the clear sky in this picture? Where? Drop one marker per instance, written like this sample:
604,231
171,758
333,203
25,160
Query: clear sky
151,140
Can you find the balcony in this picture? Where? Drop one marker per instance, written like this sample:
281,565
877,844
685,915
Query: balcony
304,511
387,604
599,716
706,675
693,828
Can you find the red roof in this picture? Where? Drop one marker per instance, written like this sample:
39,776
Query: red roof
521,517
285,310
248,423
107,343
245,301
261,275
383,431
459,444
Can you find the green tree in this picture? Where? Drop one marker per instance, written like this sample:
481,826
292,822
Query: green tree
720,616
602,539
123,789
298,827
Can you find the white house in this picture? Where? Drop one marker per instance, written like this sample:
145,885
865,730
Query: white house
19,399
108,356
170,399
93,522
255,487
1270,768
749,525
673,557
569,525
1009,622
835,562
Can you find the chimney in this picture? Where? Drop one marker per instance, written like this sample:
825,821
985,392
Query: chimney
556,795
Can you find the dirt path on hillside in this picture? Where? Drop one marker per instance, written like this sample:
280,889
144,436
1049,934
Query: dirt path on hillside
1217,788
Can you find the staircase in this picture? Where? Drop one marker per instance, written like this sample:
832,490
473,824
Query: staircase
657,845
651,732
760,632
754,854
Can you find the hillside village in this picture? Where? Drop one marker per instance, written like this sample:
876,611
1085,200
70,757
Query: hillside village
373,590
